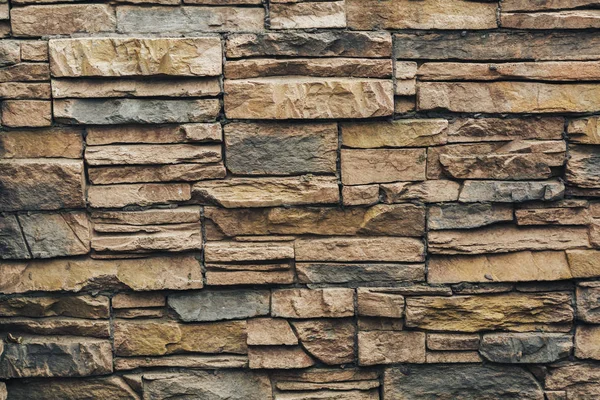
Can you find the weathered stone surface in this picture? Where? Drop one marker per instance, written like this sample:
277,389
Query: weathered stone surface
584,263
152,154
360,195
511,192
474,46
536,5
452,357
452,341
133,19
67,306
389,347
373,302
360,249
325,67
278,357
382,165
113,57
513,312
312,303
400,220
74,275
3,392
157,337
583,166
465,216
173,238
12,241
305,44
221,385
503,239
211,361
23,90
329,341
432,191
249,274
573,376
370,272
432,14
586,342
62,19
553,216
281,149
469,382
270,332
138,194
305,97
24,72
508,97
588,301
525,348
112,387
142,300
34,50
533,266
155,173
57,326
585,130
267,192
55,235
569,19
495,129
212,305
10,52
120,220
248,251
26,113
52,142
99,135
31,184
307,15
48,356
137,111
399,133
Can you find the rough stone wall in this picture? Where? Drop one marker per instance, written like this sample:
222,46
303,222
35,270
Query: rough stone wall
300,200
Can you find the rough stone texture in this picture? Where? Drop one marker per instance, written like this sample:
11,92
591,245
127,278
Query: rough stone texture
305,15
317,303
329,341
585,130
112,387
525,348
388,347
51,143
400,133
84,306
56,235
349,272
361,167
511,192
588,298
270,332
359,249
26,113
467,216
454,342
217,305
138,194
276,357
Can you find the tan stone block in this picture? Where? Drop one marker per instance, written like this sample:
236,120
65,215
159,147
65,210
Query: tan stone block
26,113
398,133
584,263
207,132
308,15
553,216
120,220
588,298
278,357
138,300
535,5
587,339
511,191
312,303
432,191
497,129
582,166
360,249
249,274
155,173
585,130
452,341
84,306
270,332
568,19
391,347
452,357
382,165
57,326
247,251
24,91
137,194
60,142
331,341
375,303
177,238
210,361
34,50
151,154
360,195
25,72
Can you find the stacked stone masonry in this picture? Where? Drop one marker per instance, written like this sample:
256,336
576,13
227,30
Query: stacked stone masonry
299,199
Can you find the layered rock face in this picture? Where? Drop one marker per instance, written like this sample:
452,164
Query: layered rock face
299,199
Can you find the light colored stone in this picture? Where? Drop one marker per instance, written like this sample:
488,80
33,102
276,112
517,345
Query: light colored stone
360,272
586,342
138,194
398,133
467,216
172,239
249,274
503,239
584,263
155,173
381,347
270,332
511,192
308,15
248,251
533,266
513,312
74,275
133,19
329,341
536,5
312,303
26,113
568,19
57,326
267,192
585,130
588,299
24,90
452,341
138,300
105,57
177,215
99,135
432,191
25,72
508,97
583,166
375,303
360,249
84,306
151,154
158,337
278,357
382,165
429,14
308,98
211,361
452,357
526,348
553,216
62,19
497,129
113,387
56,235
60,142
360,195
33,50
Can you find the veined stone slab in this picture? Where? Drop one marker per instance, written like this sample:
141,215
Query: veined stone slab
568,19
248,251
583,166
155,173
467,216
330,341
208,132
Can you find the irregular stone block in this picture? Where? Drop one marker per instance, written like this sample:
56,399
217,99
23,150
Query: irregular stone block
308,15
57,326
152,154
583,166
308,98
105,57
137,194
74,275
138,300
467,216
452,357
24,72
312,303
452,341
31,184
548,215
248,251
270,332
214,305
534,5
281,149
212,361
62,19
155,173
27,91
584,263
249,274
112,387
56,357
382,165
419,382
34,50
432,191
511,192
588,301
305,44
160,337
586,342
26,113
370,272
267,192
375,302
278,357
99,135
171,239
432,14
56,235
360,249
571,19
60,142
398,133
329,341
125,221
12,241
360,195
389,347
134,111
585,130
514,312
133,19
525,348
497,129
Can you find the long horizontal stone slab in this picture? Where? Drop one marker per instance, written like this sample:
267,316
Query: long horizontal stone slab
568,19
113,387
124,154
174,133
359,167
142,194
135,56
155,173
535,5
216,305
511,191
360,249
58,142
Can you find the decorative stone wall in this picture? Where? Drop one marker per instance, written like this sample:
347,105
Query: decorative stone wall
300,200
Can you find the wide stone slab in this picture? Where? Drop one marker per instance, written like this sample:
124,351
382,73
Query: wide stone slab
514,312
468,382
57,326
360,249
467,216
157,134
308,15
281,149
567,19
208,305
135,56
113,387
350,272
59,142
361,167
497,129
142,194
33,184
399,133
55,356
151,154
511,192
308,98
312,303
390,347
84,306
534,5
525,348
156,173
56,235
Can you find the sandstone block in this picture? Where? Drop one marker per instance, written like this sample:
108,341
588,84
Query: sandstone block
267,192
308,98
432,191
575,215
467,216
12,241
155,173
170,239
588,299
360,272
308,15
382,165
329,341
278,357
211,361
24,72
208,132
127,221
52,142
249,274
360,195
56,235
107,57
568,19
389,347
213,305
270,332
34,50
112,387
138,194
312,303
375,302
511,192
399,133
584,263
586,342
152,154
248,251
26,113
360,249
585,130
24,90
10,52
526,348
583,166
452,357
452,341
496,129
57,326
514,312
138,300
534,5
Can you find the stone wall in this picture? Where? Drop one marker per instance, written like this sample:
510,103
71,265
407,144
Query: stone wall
299,200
